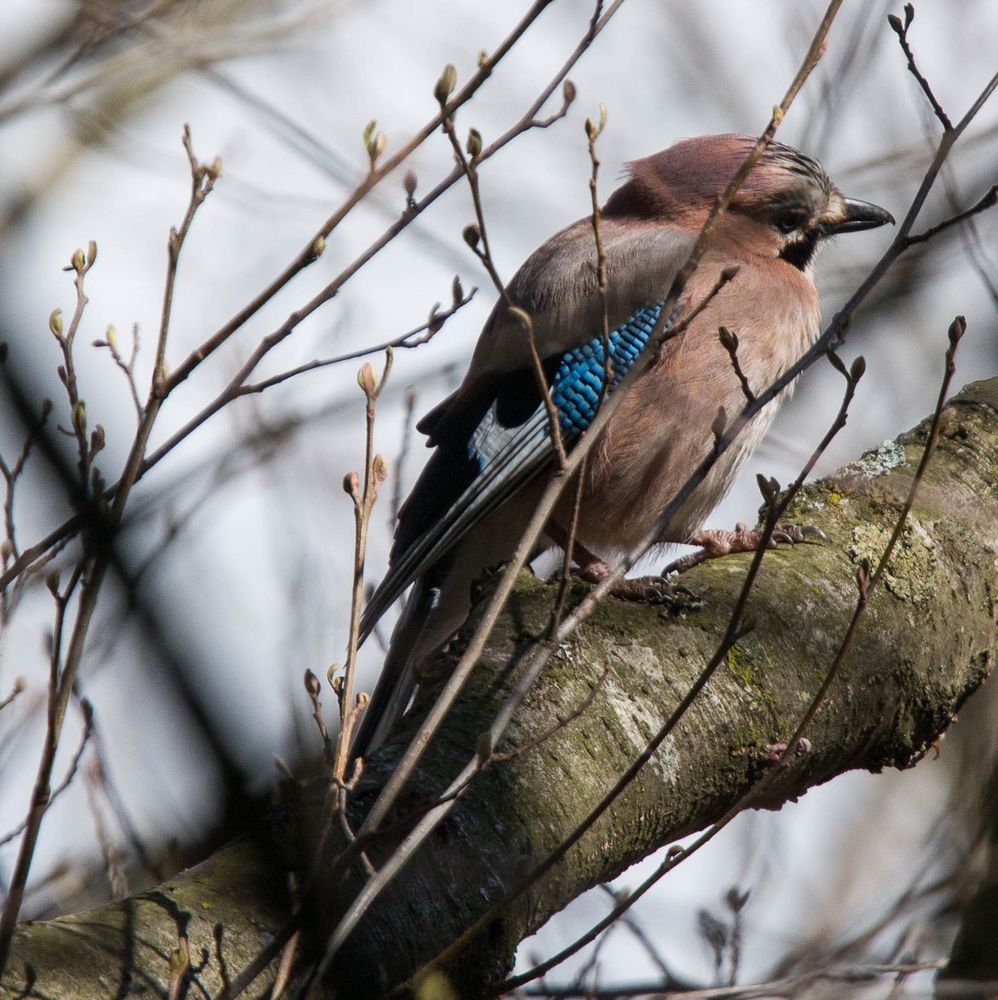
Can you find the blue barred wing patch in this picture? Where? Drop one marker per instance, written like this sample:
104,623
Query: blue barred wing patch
503,458
578,382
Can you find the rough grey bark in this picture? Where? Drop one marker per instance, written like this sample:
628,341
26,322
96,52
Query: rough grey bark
926,642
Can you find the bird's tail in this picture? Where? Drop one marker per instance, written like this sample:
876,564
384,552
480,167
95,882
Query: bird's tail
397,681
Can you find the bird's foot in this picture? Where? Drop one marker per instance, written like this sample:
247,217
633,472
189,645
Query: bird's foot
772,753
715,543
640,590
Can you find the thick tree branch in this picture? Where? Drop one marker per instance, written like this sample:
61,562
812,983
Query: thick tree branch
926,643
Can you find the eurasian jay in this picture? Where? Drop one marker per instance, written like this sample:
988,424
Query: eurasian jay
492,437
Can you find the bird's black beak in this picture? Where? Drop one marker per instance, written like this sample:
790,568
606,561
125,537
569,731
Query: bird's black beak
859,215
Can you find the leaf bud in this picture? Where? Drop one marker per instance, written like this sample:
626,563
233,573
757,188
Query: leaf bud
446,84
78,417
472,234
312,684
366,378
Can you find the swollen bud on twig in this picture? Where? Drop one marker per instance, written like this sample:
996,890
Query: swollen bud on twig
351,485
380,470
729,340
593,130
77,262
472,234
409,181
96,440
78,417
957,329
446,84
366,379
474,144
55,322
312,684
568,92
483,58
91,254
457,292
374,141
769,488
435,320
857,369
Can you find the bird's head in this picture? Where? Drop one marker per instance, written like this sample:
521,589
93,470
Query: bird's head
784,208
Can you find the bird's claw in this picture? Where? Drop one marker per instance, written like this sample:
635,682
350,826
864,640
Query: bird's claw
794,534
772,753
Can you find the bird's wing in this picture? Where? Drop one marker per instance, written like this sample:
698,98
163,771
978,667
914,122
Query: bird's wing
494,433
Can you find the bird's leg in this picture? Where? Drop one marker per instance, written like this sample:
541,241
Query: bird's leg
714,543
591,569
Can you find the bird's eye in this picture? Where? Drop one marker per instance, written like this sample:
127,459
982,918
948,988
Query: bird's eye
789,221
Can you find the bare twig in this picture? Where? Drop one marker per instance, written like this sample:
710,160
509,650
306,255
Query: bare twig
375,472
476,236
987,201
88,717
729,341
416,337
528,121
791,987
901,30
92,567
563,720
19,686
110,342
313,688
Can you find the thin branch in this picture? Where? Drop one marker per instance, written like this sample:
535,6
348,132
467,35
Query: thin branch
987,201
92,567
416,337
729,341
901,30
790,987
88,718
375,472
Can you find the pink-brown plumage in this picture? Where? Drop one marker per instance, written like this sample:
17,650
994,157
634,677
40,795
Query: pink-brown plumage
662,429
